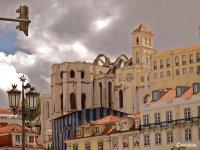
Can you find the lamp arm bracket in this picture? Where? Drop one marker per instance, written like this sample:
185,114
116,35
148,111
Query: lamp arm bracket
27,86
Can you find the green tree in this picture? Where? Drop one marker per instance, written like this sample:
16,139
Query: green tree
178,148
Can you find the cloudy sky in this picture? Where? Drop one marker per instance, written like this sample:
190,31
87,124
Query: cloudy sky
71,30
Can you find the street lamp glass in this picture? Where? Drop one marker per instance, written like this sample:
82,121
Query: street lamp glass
32,98
14,97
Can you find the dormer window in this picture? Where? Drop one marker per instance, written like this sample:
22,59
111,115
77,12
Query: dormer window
196,88
156,95
180,90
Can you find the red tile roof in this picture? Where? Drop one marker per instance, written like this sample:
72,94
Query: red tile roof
6,111
143,28
106,119
12,128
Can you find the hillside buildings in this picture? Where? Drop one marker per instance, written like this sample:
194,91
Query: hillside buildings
83,92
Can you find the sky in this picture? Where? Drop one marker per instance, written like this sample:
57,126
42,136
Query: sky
78,30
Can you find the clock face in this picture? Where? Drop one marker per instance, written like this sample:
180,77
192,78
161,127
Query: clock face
129,77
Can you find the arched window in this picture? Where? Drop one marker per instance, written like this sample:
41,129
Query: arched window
100,93
83,101
47,109
82,74
73,101
121,101
72,74
110,94
137,57
137,40
61,102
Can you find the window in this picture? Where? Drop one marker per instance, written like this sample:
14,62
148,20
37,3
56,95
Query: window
146,119
31,139
110,94
177,72
199,132
157,118
146,42
137,40
198,57
96,129
47,109
72,74
191,58
150,43
121,99
188,134
137,57
196,88
161,64
168,62
169,116
177,61
198,69
61,102
17,138
125,142
75,146
161,74
142,78
100,94
83,101
183,60
184,71
154,65
155,75
198,111
61,75
146,140
187,113
73,101
100,145
168,73
82,74
87,146
158,138
170,137
191,70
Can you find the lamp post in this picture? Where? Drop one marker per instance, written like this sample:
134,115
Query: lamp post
32,98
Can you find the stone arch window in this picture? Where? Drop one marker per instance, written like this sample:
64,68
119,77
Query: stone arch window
146,42
100,94
73,101
61,102
47,109
82,74
109,94
137,57
72,74
137,40
83,101
146,98
121,99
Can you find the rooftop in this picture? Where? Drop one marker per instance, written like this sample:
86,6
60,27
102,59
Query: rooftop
143,28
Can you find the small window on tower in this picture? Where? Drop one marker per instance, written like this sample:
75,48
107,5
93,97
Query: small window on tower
137,40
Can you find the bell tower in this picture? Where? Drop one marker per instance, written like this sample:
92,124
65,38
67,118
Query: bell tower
142,45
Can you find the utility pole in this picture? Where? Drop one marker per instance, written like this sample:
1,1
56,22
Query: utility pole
23,19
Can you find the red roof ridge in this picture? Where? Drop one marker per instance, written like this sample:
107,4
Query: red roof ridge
143,28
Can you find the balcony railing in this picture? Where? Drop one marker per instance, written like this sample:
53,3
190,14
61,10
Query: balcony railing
170,123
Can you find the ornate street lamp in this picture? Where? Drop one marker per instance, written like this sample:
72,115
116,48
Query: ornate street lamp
32,99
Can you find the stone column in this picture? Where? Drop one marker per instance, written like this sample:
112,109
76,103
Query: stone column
66,104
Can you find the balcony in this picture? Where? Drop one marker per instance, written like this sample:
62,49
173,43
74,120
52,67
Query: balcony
170,123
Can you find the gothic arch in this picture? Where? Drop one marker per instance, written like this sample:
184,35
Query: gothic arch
109,94
83,101
73,101
121,59
101,94
121,99
101,59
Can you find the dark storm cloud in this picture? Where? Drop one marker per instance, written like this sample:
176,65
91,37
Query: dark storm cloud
58,25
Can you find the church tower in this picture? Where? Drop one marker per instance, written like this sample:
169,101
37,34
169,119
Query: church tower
142,45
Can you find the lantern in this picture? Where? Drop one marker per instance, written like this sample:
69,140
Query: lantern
14,97
32,98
